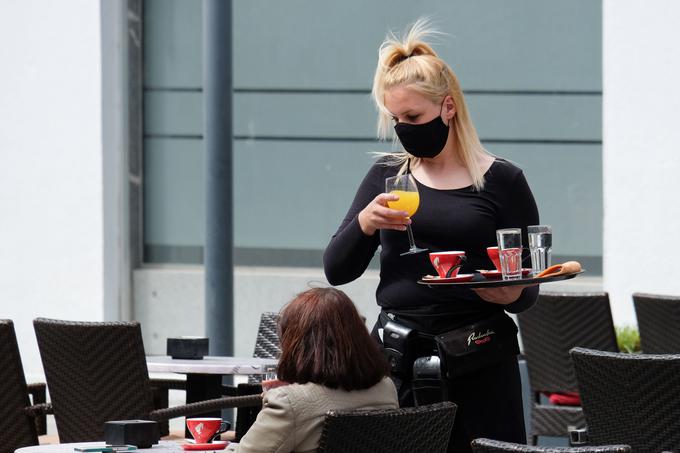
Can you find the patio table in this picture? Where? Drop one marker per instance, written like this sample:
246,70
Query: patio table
163,446
204,376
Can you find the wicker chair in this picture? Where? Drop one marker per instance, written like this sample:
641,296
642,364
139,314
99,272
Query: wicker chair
496,446
18,418
424,428
96,372
266,347
658,320
267,344
630,398
557,323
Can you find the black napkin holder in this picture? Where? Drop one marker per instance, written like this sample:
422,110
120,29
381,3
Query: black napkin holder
187,347
141,433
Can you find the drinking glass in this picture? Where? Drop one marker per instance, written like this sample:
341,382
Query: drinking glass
269,380
510,252
540,247
405,187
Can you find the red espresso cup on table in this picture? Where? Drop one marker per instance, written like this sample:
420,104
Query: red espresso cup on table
204,429
447,264
494,256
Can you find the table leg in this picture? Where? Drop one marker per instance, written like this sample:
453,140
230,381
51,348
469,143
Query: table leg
201,387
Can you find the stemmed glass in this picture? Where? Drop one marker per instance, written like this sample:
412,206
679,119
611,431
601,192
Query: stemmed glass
404,186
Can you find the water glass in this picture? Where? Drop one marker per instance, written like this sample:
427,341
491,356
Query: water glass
510,252
540,247
269,380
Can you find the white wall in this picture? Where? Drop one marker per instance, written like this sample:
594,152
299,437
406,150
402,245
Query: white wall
641,149
50,165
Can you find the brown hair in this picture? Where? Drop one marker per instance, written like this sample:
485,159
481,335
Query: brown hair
324,340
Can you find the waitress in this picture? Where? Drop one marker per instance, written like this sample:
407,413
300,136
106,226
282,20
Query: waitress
466,194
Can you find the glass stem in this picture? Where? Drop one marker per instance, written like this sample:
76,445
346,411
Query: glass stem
411,241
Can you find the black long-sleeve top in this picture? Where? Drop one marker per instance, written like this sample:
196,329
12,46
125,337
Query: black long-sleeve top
457,219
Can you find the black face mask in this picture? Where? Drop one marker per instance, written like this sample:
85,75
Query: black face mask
423,140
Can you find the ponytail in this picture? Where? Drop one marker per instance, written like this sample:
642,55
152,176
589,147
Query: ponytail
412,62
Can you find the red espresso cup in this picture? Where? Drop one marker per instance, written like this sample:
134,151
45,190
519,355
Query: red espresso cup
444,261
495,258
204,429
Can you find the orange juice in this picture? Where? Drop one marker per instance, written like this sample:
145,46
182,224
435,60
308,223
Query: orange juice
408,201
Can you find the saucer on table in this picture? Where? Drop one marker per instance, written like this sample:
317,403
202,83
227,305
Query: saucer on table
214,445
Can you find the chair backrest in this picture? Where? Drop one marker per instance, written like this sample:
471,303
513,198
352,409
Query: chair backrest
658,320
267,345
554,325
17,429
96,372
630,398
494,446
424,428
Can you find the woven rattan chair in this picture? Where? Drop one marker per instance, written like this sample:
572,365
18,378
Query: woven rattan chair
630,398
424,428
557,323
658,320
96,372
267,344
18,427
266,347
496,446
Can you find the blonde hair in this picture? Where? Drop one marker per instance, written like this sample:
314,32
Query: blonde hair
412,62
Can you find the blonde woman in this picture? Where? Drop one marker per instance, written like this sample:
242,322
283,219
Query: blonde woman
466,194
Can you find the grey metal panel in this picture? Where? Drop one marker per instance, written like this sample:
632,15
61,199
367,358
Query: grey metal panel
567,183
172,43
534,117
492,44
537,117
173,113
294,194
291,195
174,192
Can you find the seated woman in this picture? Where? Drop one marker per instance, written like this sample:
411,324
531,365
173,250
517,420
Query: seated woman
328,361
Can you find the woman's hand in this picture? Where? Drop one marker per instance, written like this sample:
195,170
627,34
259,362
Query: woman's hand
504,295
269,384
377,216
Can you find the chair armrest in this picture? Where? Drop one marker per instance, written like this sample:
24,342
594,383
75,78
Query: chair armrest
38,410
206,406
38,396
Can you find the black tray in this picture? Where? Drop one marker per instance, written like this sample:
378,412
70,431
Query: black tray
481,282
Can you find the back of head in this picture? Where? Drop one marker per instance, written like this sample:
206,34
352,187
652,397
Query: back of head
324,340
411,62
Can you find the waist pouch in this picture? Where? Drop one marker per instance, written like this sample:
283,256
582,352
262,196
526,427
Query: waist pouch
477,345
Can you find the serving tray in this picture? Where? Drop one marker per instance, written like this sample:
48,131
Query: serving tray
479,281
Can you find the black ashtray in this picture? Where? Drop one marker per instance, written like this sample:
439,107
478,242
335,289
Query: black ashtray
187,347
141,433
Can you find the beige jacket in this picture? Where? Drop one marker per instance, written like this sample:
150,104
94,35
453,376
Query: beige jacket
292,416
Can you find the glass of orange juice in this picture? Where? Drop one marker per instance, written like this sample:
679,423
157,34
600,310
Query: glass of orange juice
404,186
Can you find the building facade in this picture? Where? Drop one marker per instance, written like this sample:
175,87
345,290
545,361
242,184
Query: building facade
102,162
